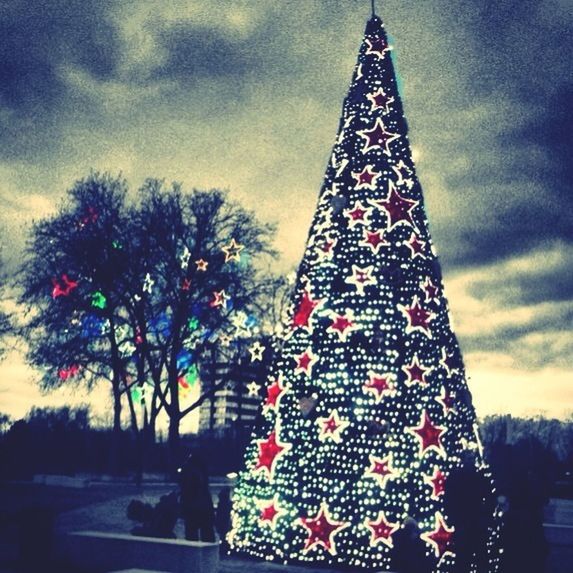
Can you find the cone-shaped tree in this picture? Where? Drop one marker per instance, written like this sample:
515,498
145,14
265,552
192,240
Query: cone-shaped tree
367,434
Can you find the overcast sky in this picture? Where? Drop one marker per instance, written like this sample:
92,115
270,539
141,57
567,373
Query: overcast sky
246,95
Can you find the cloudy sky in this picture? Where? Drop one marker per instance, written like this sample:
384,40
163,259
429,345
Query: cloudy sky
246,95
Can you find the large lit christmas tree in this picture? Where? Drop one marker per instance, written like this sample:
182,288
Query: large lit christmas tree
366,418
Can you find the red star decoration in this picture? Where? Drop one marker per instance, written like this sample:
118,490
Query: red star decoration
341,325
185,284
447,400
374,240
269,450
416,246
270,511
305,362
437,481
380,385
326,250
380,99
67,373
381,469
448,361
321,530
415,372
398,208
428,434
378,46
381,530
417,317
305,310
367,178
219,299
63,287
440,538
357,215
377,137
332,427
274,392
430,290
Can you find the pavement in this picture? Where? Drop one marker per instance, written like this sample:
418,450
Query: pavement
102,508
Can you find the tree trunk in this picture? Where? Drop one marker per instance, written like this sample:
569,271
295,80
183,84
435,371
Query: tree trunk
116,431
174,443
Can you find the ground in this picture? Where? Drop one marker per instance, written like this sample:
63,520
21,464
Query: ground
102,507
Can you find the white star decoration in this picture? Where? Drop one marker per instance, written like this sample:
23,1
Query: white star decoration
256,351
361,278
148,284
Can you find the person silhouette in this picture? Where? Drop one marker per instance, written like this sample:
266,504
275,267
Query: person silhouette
223,517
409,553
196,502
469,503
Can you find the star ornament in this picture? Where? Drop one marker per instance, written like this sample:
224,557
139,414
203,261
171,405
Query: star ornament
374,240
398,209
340,166
201,265
418,319
367,178
415,372
380,100
271,511
148,283
256,351
377,46
361,278
274,394
232,251
416,246
305,362
342,325
437,481
381,530
325,251
440,538
185,256
253,388
404,174
377,138
381,469
428,435
321,530
447,400
306,308
380,385
358,214
449,363
332,427
219,299
270,451
63,287
430,290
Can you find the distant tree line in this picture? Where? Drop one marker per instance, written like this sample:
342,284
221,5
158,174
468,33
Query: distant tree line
64,440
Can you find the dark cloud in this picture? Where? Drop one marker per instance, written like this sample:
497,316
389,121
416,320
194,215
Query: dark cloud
39,39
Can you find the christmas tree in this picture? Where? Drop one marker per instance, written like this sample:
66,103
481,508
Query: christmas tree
367,438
